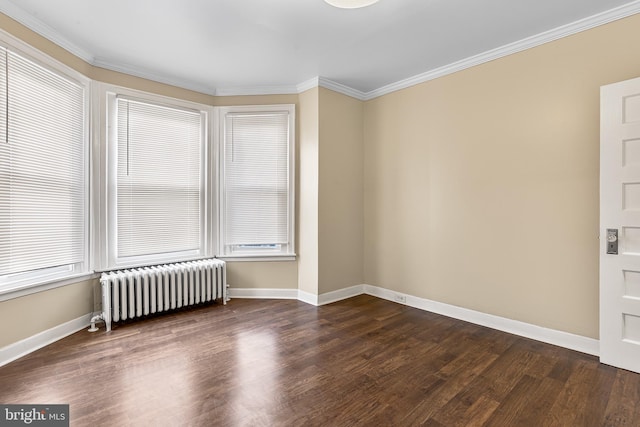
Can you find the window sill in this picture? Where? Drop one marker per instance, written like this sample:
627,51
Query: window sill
11,292
258,258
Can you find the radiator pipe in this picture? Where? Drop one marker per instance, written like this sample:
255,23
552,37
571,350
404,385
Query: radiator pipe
94,319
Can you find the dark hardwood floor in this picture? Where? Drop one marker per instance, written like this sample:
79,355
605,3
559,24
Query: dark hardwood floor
362,361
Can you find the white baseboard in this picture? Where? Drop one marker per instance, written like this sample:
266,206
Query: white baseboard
263,293
308,297
551,336
340,294
28,345
527,330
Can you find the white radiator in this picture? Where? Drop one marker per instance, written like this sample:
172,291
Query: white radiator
136,292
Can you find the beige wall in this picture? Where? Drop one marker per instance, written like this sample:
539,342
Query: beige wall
330,200
340,193
264,275
43,45
481,188
23,317
307,194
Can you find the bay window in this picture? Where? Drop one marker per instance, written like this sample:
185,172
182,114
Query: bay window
156,173
43,172
256,202
158,186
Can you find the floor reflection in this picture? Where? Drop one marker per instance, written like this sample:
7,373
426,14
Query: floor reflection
256,393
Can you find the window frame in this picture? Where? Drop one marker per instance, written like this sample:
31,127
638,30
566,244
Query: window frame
105,246
96,184
267,254
23,283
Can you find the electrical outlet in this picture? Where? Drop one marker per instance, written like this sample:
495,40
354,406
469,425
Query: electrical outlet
402,299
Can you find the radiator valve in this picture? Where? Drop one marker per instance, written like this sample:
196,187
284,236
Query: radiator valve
94,319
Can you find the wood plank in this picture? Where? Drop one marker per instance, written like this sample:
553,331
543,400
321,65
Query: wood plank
361,362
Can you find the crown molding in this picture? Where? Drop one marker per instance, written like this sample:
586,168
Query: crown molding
340,88
17,13
308,84
257,90
511,48
324,82
297,89
145,74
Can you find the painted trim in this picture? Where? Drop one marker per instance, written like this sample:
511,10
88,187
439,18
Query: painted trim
29,345
308,84
25,18
32,288
511,48
515,327
145,74
10,9
343,89
273,293
340,294
263,293
307,297
257,90
257,258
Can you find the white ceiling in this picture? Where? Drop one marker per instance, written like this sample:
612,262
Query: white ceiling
262,46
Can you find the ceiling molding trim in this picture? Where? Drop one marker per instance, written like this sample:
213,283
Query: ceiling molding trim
144,74
34,24
340,88
15,12
511,48
257,90
308,84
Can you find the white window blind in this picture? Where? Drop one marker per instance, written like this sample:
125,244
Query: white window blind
42,170
256,189
159,179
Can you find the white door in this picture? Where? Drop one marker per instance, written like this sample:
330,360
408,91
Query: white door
620,213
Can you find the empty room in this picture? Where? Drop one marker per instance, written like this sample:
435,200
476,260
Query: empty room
319,213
